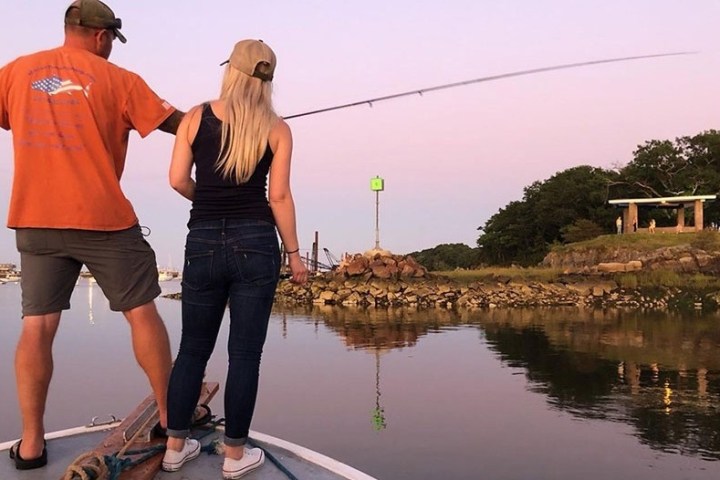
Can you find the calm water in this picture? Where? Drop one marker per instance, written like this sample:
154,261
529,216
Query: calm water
520,394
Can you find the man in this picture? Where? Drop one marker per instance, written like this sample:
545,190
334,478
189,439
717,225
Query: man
70,112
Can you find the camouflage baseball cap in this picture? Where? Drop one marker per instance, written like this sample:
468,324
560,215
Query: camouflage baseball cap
95,14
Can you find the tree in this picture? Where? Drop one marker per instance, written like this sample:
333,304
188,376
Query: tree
448,257
662,168
572,204
523,231
580,231
511,236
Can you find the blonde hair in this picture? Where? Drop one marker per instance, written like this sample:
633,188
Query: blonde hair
249,117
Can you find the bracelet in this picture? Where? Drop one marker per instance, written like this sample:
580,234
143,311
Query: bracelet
294,251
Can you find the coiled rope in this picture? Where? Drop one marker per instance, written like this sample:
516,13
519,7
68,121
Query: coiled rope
94,466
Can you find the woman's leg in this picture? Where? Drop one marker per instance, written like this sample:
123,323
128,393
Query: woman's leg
256,262
204,299
248,330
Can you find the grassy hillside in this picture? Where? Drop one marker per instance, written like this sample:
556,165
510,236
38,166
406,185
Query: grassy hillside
706,240
637,241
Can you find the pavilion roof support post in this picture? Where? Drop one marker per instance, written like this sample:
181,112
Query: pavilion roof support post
626,219
632,223
699,215
681,218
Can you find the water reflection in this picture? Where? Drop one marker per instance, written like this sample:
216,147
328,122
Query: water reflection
378,329
378,413
658,372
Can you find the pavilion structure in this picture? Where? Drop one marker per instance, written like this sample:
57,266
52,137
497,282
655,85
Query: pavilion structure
679,204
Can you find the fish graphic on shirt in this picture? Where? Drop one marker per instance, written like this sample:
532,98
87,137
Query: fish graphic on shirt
54,85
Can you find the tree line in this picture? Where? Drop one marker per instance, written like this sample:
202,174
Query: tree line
572,205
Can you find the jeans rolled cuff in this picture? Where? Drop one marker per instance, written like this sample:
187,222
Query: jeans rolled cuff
235,442
178,433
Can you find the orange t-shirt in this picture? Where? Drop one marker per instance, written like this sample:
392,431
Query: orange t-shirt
71,113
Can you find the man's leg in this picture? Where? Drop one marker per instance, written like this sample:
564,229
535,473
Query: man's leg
33,371
152,351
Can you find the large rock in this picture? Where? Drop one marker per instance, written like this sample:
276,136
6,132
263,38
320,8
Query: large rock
379,264
611,267
356,266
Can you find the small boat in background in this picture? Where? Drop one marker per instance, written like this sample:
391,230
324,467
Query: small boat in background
165,274
87,276
9,273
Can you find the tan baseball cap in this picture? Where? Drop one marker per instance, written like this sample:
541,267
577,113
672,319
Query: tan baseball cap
95,14
253,58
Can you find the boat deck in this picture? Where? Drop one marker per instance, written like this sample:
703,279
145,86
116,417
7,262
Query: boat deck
304,464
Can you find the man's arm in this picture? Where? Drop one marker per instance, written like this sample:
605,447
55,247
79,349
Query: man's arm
4,113
171,124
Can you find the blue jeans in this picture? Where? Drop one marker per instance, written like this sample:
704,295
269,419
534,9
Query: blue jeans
233,263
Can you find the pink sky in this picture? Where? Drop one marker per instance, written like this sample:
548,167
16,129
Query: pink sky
450,159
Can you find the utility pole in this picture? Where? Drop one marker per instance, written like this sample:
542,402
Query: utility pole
315,244
377,185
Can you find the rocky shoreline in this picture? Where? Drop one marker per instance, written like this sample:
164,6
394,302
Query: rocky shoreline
433,292
386,280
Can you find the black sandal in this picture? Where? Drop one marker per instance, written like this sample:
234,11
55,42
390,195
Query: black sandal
158,431
206,417
22,464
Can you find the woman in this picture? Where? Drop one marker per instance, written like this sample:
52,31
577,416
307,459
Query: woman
232,256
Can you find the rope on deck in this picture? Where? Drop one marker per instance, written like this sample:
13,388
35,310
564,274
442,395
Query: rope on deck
215,448
275,461
93,466
88,466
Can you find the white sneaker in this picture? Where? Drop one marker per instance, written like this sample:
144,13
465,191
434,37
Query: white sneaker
174,460
252,458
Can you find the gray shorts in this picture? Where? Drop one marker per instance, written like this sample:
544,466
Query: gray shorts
122,262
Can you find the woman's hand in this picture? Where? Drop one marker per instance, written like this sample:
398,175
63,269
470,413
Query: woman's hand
298,269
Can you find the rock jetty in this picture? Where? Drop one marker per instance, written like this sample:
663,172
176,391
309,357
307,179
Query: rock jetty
436,291
394,281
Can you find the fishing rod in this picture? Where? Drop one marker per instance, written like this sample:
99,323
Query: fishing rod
532,71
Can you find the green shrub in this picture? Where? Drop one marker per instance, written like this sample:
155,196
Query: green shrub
628,281
580,231
665,278
707,240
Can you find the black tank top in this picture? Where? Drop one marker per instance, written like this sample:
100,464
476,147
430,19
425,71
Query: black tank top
217,197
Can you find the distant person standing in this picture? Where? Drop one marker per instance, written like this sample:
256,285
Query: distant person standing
71,112
651,228
237,145
618,224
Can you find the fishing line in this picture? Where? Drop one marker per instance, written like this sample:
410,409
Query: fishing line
490,78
